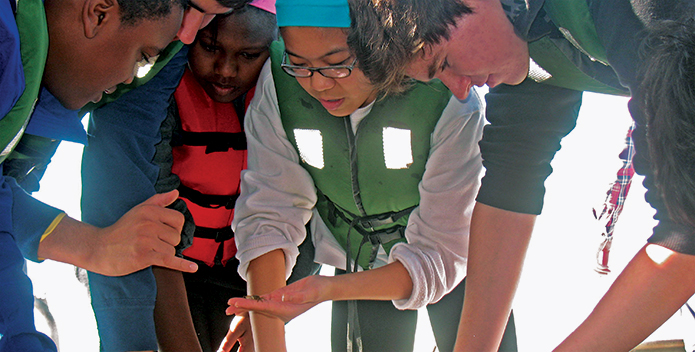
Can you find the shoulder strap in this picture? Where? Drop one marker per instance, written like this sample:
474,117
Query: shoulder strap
215,141
576,24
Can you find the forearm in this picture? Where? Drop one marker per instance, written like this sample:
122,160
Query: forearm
266,274
642,298
389,282
70,242
172,316
498,244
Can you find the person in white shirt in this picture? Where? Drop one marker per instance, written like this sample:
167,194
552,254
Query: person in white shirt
393,176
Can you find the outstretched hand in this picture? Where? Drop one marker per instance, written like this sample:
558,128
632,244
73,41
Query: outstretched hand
145,236
239,331
285,303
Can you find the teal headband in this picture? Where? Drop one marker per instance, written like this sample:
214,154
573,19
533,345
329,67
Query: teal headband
313,13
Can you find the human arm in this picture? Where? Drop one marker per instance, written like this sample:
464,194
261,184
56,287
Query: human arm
436,250
632,301
651,287
389,282
264,275
276,201
146,235
118,172
172,316
498,243
239,332
527,124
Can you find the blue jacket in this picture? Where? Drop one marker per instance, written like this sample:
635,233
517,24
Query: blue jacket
17,330
118,172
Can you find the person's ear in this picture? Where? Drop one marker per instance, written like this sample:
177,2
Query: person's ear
98,13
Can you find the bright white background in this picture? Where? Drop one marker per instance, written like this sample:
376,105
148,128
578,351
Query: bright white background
558,288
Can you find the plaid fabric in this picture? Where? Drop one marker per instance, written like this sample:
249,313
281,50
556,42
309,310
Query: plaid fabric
615,199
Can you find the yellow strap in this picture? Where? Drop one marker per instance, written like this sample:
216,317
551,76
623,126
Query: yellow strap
52,226
50,229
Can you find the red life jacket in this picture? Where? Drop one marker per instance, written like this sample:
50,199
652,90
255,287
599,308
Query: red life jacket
209,161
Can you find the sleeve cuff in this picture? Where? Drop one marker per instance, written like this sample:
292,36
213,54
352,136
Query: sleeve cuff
50,229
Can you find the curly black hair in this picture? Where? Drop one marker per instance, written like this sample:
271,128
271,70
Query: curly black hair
132,11
669,99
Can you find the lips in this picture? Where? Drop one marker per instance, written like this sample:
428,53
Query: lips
111,90
221,89
332,104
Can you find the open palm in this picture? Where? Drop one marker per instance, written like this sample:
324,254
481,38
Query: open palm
285,303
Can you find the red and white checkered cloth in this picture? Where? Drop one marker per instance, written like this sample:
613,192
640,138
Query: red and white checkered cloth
615,199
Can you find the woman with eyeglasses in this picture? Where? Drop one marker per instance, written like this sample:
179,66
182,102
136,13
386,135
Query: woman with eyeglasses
386,184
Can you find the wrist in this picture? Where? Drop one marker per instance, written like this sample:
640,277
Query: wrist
330,290
71,242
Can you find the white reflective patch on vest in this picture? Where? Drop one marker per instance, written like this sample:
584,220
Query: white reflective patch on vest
398,152
310,145
537,73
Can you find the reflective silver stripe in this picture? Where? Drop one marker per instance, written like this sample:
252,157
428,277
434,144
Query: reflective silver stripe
537,73
14,140
566,33
10,146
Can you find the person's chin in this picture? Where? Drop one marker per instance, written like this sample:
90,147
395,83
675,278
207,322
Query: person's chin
79,103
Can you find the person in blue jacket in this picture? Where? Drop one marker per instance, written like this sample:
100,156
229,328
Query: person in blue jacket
94,47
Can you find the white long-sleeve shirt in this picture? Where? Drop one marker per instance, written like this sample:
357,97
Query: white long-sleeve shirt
278,197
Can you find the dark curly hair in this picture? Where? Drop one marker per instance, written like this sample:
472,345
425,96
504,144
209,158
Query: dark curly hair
132,11
386,35
669,92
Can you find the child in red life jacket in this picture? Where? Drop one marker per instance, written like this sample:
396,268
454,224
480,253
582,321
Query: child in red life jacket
202,153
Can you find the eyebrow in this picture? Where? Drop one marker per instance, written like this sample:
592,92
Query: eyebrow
433,68
334,51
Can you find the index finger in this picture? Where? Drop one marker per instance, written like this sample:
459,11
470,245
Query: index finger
174,262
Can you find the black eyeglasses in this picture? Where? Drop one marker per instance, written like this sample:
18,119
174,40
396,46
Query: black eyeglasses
338,71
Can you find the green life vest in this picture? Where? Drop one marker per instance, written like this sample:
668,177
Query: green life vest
33,46
559,64
354,176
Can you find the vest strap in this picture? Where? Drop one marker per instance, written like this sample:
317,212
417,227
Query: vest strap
207,200
219,235
365,225
215,141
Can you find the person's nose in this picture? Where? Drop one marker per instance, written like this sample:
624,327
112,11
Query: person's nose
321,83
460,86
193,20
227,66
